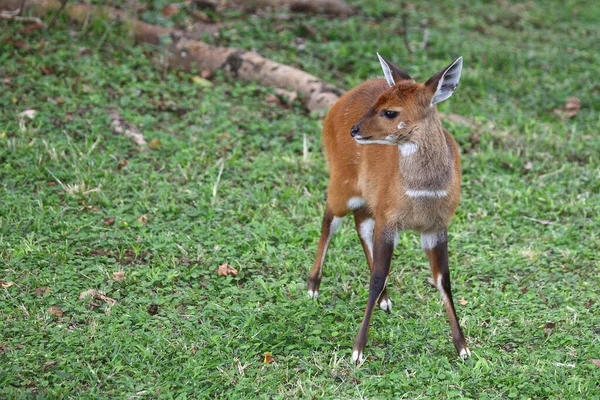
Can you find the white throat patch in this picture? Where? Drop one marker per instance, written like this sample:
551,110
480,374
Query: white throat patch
406,149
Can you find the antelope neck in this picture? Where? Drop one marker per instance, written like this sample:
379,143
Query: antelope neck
426,163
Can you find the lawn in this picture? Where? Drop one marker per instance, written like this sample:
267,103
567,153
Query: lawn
228,181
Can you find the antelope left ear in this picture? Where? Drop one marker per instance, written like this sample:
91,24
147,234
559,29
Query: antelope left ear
392,72
444,83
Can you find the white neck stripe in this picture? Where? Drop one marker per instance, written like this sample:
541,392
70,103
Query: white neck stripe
434,194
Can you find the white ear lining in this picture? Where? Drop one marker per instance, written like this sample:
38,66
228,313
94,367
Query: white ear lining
387,72
448,82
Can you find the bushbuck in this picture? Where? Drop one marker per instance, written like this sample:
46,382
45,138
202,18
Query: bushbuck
395,167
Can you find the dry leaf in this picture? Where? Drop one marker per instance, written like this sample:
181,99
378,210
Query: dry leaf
170,9
268,358
570,109
122,164
548,328
28,113
462,302
201,81
153,309
83,51
42,290
475,139
226,270
507,347
5,285
47,70
143,219
206,74
20,44
48,364
109,221
528,166
118,276
595,362
54,310
155,144
96,295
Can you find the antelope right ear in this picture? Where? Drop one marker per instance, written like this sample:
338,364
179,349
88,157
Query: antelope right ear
444,83
392,72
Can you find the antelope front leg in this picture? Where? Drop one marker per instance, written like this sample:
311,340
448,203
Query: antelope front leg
435,246
365,226
383,248
329,225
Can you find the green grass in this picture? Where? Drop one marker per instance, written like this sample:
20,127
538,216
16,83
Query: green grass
60,179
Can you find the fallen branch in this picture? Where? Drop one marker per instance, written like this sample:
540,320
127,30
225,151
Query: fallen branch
15,15
193,54
334,7
122,127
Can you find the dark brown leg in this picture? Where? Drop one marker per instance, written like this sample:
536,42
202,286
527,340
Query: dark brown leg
329,226
435,246
365,225
383,248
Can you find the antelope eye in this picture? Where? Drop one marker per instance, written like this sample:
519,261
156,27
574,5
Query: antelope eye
390,114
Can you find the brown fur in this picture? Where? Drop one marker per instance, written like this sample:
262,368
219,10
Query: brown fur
379,173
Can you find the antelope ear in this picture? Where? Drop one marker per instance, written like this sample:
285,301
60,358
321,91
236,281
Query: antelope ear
392,72
444,83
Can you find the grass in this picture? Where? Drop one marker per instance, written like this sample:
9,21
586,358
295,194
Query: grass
178,330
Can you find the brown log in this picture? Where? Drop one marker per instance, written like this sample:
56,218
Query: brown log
187,54
334,7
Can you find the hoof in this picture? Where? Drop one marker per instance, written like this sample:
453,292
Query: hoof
464,353
357,357
386,305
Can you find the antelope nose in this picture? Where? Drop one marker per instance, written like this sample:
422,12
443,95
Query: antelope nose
354,130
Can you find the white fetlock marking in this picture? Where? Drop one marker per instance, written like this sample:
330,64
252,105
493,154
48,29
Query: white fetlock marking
313,295
357,357
430,240
386,305
335,224
465,353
